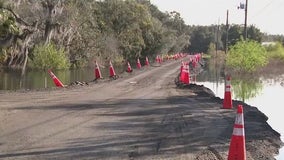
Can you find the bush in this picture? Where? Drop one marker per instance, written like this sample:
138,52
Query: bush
275,51
47,56
246,56
3,56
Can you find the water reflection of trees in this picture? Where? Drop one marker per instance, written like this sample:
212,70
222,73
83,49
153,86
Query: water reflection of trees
246,87
213,70
37,79
273,72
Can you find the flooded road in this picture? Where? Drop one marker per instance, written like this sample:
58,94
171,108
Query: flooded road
264,92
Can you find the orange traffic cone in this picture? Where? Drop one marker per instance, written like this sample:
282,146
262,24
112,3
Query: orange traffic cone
158,59
181,76
181,66
147,62
237,150
138,64
185,75
129,69
112,73
227,103
98,74
56,81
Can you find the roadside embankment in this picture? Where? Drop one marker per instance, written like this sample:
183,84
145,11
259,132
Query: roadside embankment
262,141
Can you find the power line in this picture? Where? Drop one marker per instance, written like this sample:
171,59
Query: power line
263,8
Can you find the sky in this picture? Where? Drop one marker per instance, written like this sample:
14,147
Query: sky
267,15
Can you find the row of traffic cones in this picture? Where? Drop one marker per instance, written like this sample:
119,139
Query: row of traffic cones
184,73
184,77
98,75
138,65
97,72
237,149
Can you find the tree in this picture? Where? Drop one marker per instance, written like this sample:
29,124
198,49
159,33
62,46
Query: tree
254,34
234,34
200,39
121,29
246,56
48,56
17,34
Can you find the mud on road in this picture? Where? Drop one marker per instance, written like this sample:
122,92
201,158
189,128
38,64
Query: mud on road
142,115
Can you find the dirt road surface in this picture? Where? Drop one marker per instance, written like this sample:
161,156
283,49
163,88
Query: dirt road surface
139,116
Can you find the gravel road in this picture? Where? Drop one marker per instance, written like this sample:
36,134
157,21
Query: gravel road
143,115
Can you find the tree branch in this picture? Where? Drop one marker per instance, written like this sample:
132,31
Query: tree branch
18,19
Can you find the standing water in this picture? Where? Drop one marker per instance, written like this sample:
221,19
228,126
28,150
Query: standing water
265,93
34,80
12,80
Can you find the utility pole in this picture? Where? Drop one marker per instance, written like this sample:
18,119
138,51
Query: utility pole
217,38
246,16
227,30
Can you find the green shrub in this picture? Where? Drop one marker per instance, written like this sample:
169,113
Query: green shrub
48,56
3,56
275,51
246,56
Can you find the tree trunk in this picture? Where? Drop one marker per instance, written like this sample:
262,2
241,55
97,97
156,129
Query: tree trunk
7,41
25,62
48,32
52,10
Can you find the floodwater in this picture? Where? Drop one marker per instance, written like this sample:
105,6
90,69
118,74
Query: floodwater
263,92
35,80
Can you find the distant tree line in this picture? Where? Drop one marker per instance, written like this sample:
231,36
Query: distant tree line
82,31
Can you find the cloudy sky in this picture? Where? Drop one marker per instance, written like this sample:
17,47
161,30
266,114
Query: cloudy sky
264,14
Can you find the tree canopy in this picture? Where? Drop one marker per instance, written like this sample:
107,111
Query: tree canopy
86,30
116,29
246,56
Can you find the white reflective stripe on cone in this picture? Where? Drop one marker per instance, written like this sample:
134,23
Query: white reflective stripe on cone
239,119
228,83
238,132
228,89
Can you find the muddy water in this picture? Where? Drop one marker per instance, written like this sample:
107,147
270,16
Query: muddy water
264,92
34,80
